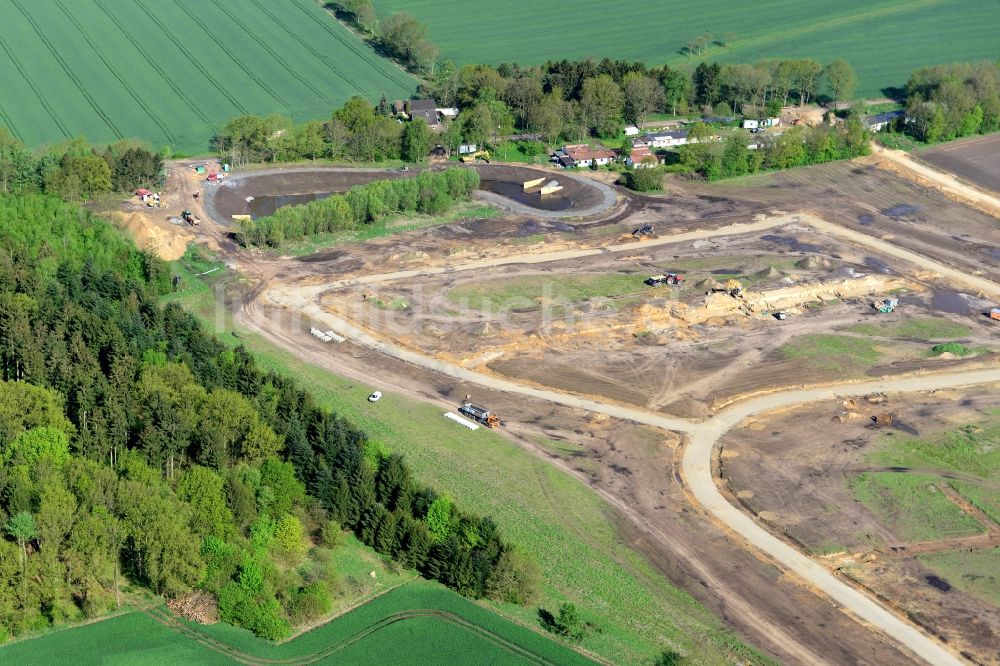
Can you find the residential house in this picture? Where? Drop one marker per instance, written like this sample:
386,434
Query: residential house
666,139
641,158
883,121
425,108
581,156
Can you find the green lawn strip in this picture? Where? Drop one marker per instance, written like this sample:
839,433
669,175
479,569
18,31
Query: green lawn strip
560,521
534,290
976,573
832,352
972,449
919,328
915,508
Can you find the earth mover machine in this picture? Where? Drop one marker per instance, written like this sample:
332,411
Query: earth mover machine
886,305
669,278
189,217
483,155
480,415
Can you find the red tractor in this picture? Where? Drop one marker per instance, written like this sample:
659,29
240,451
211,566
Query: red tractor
669,278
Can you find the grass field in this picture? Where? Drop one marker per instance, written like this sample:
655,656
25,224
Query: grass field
566,526
918,328
173,72
417,623
883,39
976,572
533,291
833,352
913,506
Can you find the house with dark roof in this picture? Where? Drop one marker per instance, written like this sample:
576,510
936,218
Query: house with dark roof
882,121
670,139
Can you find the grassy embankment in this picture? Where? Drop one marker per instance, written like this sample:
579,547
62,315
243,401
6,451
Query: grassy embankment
568,528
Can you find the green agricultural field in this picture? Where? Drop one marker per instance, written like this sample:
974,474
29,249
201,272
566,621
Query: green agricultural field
883,39
173,72
913,506
971,449
418,623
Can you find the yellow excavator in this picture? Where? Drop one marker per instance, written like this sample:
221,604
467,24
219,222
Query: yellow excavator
483,155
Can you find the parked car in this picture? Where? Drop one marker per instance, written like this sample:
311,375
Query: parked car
375,397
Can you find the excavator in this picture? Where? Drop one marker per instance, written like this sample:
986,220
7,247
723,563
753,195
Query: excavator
732,287
483,155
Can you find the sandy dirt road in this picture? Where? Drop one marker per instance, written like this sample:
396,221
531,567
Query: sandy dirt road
703,436
946,182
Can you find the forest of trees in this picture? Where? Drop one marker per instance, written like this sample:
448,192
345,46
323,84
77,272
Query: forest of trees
137,449
429,193
950,101
796,146
75,170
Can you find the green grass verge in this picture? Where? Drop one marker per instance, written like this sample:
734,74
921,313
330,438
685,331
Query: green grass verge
986,500
913,506
567,527
976,573
833,352
417,623
919,328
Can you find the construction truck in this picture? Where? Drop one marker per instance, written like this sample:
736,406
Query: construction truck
669,278
886,305
483,155
189,217
995,314
480,415
644,230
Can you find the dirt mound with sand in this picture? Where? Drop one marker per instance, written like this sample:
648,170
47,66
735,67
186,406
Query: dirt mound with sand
770,273
814,263
165,241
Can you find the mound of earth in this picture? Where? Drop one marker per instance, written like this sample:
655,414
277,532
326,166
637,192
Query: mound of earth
708,283
769,272
165,241
814,263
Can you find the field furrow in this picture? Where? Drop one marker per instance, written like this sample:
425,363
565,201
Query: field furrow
175,71
167,133
70,73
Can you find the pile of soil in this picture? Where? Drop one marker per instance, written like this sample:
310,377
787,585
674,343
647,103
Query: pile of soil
770,273
165,242
814,263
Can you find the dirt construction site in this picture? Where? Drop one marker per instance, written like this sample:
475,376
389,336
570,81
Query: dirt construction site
723,417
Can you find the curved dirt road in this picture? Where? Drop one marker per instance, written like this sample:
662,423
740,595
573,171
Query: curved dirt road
703,436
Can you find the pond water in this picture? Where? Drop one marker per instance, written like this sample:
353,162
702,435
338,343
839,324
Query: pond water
533,199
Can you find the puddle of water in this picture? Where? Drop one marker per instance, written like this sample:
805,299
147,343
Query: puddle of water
866,219
994,253
792,243
939,583
726,271
265,205
877,264
900,210
952,302
533,199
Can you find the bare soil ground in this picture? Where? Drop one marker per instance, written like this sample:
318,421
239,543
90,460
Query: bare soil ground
793,470
682,369
976,159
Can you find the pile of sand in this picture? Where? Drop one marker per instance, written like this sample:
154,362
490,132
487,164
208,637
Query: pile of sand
165,241
708,283
770,273
814,263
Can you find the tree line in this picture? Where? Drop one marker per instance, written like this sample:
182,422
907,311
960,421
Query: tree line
950,101
797,146
137,449
400,35
428,193
75,170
